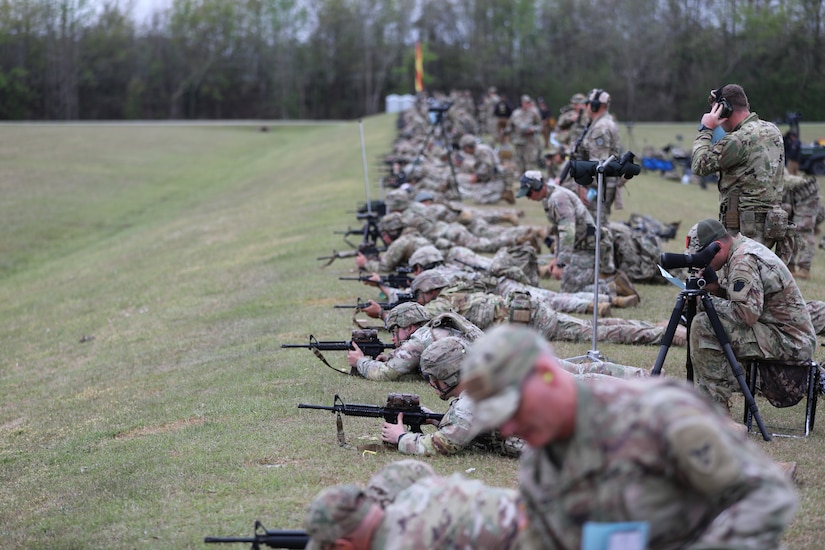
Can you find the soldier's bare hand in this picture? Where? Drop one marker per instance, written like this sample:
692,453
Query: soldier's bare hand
374,280
354,355
373,310
391,432
360,260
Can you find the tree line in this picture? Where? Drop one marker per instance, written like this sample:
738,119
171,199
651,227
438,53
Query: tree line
338,59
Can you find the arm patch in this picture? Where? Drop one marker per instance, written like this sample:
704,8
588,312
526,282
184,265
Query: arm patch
703,455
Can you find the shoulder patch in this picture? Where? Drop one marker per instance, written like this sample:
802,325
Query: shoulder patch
703,455
739,289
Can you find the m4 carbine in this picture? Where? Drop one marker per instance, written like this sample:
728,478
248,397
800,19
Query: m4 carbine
395,280
367,340
369,250
288,539
407,403
386,306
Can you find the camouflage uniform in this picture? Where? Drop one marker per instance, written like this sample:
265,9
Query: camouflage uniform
575,230
571,123
446,235
653,451
524,129
764,316
486,117
636,252
489,184
568,302
750,161
816,309
801,202
601,141
397,253
485,310
451,512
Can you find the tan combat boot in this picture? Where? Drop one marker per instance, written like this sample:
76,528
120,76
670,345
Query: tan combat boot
544,273
802,273
508,196
624,301
624,287
604,309
510,217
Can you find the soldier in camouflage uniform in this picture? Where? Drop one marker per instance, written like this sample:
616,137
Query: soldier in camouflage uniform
816,309
750,160
573,119
413,329
486,117
801,202
610,450
484,310
758,304
524,129
434,512
574,230
400,245
601,141
441,368
386,484
479,175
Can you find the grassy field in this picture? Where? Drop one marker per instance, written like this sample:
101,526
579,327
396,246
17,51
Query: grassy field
149,274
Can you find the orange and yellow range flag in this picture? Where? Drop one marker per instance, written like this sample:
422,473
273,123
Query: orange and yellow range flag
419,68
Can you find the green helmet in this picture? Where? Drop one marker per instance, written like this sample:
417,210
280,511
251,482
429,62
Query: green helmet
427,281
391,222
426,256
406,314
442,360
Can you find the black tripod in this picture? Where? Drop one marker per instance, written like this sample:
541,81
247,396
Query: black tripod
437,123
686,302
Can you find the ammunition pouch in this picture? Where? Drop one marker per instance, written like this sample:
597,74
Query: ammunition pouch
747,223
729,214
776,223
521,307
589,241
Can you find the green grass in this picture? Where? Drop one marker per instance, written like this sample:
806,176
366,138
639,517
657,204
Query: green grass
149,274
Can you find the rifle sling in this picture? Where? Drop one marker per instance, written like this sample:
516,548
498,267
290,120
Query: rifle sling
320,356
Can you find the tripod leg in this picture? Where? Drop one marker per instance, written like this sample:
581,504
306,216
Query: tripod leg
724,341
667,338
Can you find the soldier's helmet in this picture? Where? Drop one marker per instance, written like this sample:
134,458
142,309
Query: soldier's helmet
393,478
427,281
397,200
578,98
467,140
334,513
442,360
406,314
391,223
426,256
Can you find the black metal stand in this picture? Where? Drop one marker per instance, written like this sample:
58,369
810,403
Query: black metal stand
686,302
439,125
594,354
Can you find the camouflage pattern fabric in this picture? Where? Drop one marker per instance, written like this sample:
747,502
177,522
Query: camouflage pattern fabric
654,450
569,126
451,512
801,201
637,253
524,129
817,311
397,253
485,310
764,316
389,481
575,302
489,184
405,359
750,160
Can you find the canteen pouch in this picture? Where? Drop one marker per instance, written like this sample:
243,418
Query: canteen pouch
521,307
776,223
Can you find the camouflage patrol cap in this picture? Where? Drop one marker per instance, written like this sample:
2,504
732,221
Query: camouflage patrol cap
393,478
427,281
526,99
467,140
495,367
426,255
335,512
391,222
578,98
406,314
532,180
704,233
397,200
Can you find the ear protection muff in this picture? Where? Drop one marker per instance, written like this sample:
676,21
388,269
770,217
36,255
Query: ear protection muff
597,98
727,110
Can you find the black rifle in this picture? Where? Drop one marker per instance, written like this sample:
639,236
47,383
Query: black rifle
369,250
289,539
569,164
386,306
473,266
367,340
407,403
395,280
